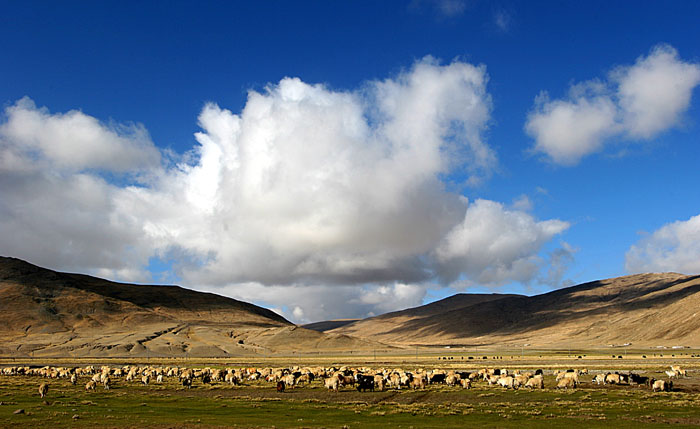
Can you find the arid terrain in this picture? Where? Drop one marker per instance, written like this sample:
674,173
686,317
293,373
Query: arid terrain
643,310
48,313
58,325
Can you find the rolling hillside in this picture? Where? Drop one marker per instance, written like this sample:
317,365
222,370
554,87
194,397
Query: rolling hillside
48,313
644,309
394,322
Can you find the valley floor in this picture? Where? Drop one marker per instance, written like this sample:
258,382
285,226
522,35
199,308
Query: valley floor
258,404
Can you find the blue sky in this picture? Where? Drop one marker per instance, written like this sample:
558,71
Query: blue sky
612,192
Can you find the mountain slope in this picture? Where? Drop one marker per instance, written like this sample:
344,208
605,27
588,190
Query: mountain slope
644,309
328,325
50,300
48,313
391,325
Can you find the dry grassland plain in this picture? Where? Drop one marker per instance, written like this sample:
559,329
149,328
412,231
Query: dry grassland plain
259,404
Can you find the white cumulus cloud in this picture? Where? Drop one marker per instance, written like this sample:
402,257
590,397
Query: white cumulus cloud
636,102
567,130
316,201
317,186
493,245
55,207
655,91
673,247
74,140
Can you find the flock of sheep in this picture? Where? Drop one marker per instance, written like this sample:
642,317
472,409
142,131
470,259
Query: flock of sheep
335,378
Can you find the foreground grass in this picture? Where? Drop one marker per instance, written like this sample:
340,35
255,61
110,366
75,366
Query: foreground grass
168,405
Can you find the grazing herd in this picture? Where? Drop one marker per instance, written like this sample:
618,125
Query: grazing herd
336,378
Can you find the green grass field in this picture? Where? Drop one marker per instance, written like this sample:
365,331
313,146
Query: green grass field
258,404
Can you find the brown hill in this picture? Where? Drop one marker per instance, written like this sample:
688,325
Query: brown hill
644,309
48,313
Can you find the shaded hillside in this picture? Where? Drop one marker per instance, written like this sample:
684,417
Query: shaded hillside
327,325
395,322
643,309
48,313
450,303
44,300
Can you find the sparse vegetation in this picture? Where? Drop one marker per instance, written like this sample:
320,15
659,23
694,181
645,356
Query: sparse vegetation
259,404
